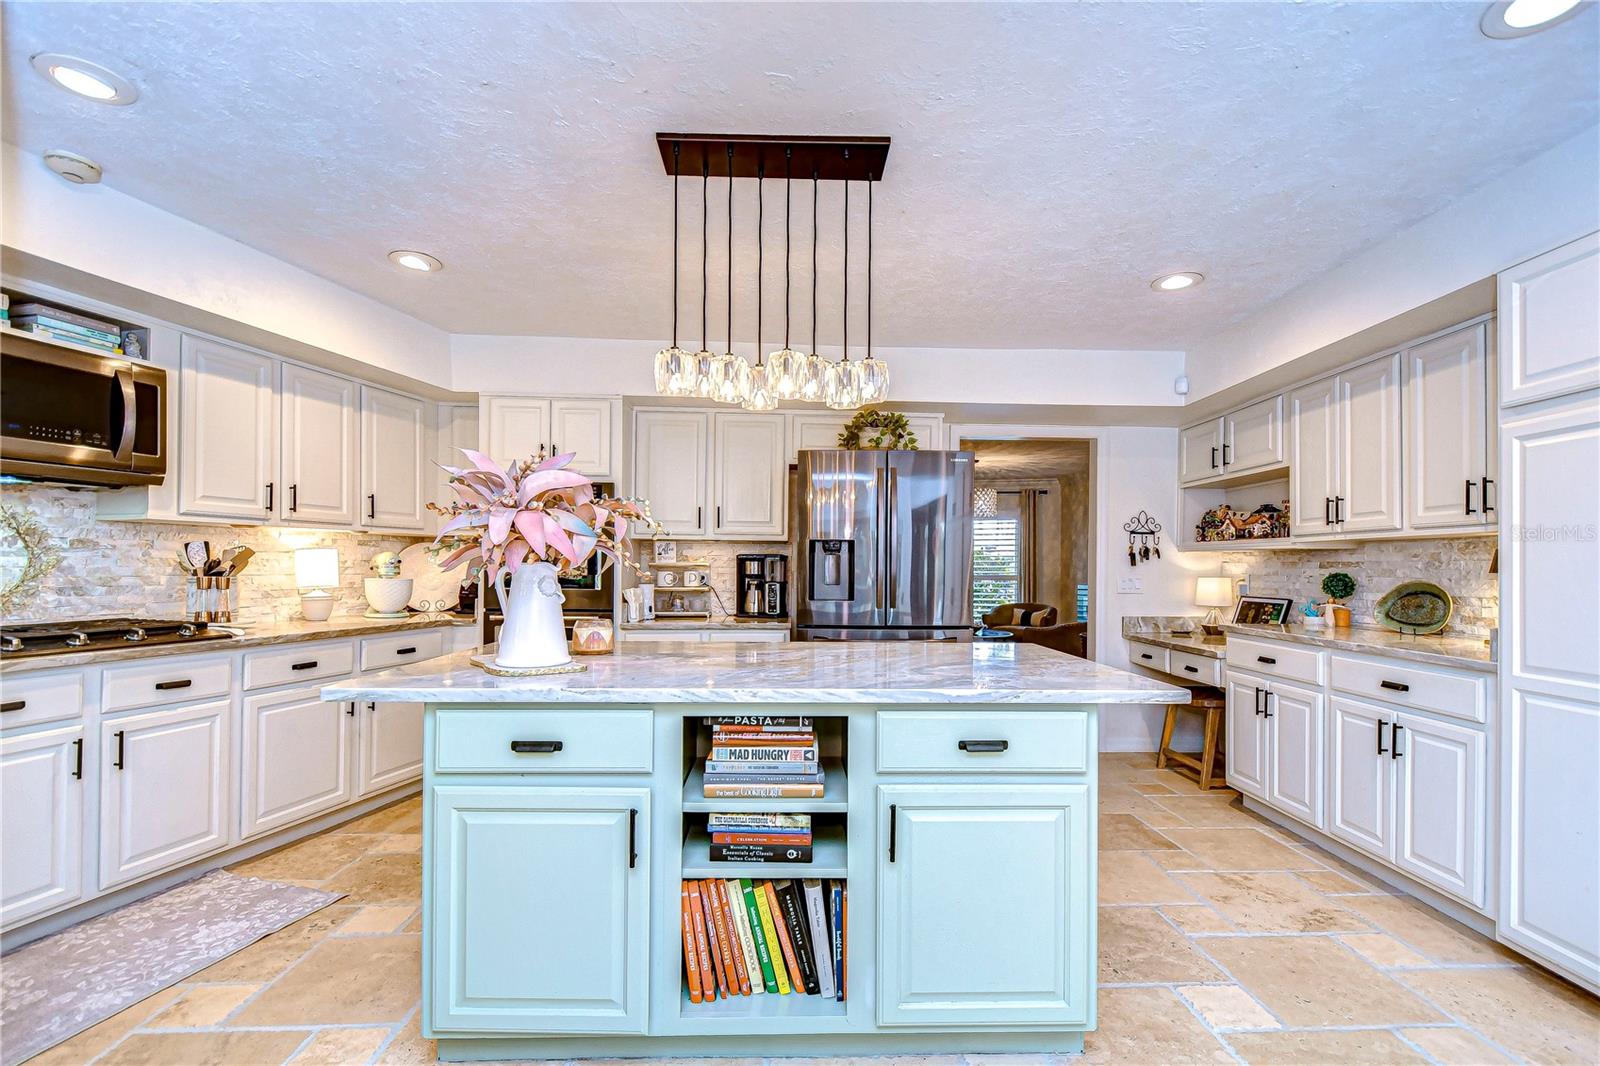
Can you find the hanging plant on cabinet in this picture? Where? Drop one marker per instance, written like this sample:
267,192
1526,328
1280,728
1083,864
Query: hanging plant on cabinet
877,429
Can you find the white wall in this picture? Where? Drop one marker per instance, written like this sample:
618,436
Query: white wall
573,365
105,233
1545,202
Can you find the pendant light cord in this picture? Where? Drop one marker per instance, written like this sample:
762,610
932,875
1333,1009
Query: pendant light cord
788,168
761,258
813,262
676,148
869,265
705,177
844,309
730,248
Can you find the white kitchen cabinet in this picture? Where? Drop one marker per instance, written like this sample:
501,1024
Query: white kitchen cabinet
319,455
295,759
1440,804
583,427
1200,452
1023,851
41,835
1550,682
394,440
516,427
1313,457
1252,437
388,745
1549,323
813,431
1295,750
748,476
1449,483
227,443
1360,771
1247,744
1369,447
165,787
928,429
455,429
517,949
513,427
670,457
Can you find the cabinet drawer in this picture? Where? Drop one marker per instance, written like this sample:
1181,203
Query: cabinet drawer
301,662
1409,685
1276,660
179,679
1195,669
29,699
1147,655
397,649
975,742
553,742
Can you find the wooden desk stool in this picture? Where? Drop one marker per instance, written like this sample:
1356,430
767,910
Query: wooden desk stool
1208,766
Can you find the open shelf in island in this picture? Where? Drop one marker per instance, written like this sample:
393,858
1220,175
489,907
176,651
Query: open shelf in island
828,858
835,789
813,1013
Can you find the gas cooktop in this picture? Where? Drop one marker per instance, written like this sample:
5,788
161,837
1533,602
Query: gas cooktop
99,634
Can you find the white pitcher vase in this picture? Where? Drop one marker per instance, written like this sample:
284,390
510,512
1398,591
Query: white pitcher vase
532,636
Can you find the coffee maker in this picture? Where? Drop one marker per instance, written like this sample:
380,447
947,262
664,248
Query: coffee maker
763,586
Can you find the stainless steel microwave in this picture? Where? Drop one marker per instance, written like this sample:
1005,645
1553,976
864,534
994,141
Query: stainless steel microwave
80,418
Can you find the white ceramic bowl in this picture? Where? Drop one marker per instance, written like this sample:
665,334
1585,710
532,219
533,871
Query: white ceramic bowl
387,595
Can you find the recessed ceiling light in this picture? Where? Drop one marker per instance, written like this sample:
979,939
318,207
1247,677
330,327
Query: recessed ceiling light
418,261
86,79
1186,279
1518,18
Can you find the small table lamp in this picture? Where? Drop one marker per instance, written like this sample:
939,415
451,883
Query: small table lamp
1213,592
315,571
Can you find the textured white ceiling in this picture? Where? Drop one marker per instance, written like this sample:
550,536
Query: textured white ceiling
1048,160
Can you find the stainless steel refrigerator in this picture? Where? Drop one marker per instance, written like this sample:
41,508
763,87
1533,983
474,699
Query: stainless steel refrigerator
885,545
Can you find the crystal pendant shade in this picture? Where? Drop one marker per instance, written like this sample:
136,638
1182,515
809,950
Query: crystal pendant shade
843,389
786,370
730,378
760,396
873,375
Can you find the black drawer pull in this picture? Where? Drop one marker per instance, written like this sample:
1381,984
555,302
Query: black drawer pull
78,758
350,708
983,745
1381,749
633,827
536,747
122,738
309,664
168,686
892,820
1192,669
1394,686
1394,741
14,705
1266,659
1146,655
405,651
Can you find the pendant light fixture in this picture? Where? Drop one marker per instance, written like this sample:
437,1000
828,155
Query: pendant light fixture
873,374
672,362
814,374
786,368
842,391
759,394
730,374
701,383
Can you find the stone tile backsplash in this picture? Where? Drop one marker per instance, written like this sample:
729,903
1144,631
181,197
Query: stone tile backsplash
131,568
1459,565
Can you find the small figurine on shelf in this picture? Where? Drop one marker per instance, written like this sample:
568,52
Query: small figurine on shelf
1339,586
1216,525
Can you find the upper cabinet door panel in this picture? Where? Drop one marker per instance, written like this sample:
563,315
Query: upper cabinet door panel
320,417
748,498
1550,323
393,443
514,427
1200,452
1369,433
227,439
817,430
1253,437
583,427
1313,457
669,469
1447,430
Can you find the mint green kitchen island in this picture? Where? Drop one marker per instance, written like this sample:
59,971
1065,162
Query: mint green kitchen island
561,814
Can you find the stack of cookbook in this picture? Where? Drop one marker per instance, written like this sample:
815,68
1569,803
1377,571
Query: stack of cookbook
763,756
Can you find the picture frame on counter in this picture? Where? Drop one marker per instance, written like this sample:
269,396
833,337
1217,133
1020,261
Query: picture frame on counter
665,551
1261,610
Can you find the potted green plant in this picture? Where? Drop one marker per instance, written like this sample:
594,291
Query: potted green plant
871,428
1339,586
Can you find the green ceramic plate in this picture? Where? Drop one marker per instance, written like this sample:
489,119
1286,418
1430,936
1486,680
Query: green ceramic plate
1416,607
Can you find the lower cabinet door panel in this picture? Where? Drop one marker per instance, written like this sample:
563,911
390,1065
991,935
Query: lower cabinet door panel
296,759
1246,735
978,905
390,745
1440,805
1294,721
1361,793
41,833
540,899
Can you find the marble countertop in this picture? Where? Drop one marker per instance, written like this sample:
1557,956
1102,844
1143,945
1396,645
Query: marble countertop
726,621
1195,643
873,672
261,634
1465,653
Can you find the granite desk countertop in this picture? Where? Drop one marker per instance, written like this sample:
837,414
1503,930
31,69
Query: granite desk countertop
1462,653
261,634
1192,641
851,672
726,621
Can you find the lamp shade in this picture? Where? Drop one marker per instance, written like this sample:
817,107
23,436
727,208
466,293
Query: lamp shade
316,568
1214,592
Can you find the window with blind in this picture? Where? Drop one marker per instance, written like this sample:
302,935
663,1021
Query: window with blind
996,564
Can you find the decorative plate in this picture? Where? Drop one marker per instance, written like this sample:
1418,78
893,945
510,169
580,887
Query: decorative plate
432,589
487,664
1415,607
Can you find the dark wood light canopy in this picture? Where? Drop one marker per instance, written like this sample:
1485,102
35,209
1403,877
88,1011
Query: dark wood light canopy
826,156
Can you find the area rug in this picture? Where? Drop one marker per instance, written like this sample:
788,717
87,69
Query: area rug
57,987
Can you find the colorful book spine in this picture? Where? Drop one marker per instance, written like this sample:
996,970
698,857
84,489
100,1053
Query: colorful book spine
836,926
759,754
702,947
713,944
770,823
58,326
732,964
691,956
805,773
757,790
771,927
821,935
758,933
776,839
776,722
760,853
789,899
34,310
791,964
844,938
763,740
747,943
99,346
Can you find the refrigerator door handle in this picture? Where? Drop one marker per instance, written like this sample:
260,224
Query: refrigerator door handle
880,553
891,525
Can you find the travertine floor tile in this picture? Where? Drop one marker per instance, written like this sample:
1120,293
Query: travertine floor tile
1334,883
402,817
97,1038
1149,1025
1374,1046
339,1047
380,879
271,955
1212,811
1228,1007
1315,981
1198,920
1454,1047
1008,1060
231,1048
314,859
408,1047
1137,946
1124,832
1522,1010
371,979
1152,788
201,1006
1426,930
1270,902
1160,818
379,919
1239,849
1381,949
1130,877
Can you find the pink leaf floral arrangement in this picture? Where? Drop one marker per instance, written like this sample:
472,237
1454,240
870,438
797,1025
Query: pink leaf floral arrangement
531,511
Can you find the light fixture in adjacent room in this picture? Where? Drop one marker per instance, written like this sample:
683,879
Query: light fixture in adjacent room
421,262
316,570
985,502
1519,18
1183,279
83,78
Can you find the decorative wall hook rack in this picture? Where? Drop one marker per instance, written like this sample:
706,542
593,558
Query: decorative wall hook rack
1144,538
